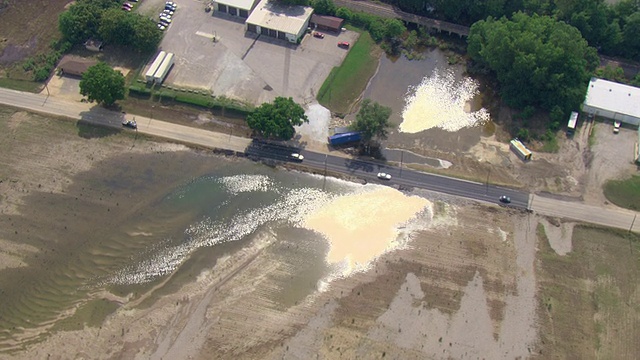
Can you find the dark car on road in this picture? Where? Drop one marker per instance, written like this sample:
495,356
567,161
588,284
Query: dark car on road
505,199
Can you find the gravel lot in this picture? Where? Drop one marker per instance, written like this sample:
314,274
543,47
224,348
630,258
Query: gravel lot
243,65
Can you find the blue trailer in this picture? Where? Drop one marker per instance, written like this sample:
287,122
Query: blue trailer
345,138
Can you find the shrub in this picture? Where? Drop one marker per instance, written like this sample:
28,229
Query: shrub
42,73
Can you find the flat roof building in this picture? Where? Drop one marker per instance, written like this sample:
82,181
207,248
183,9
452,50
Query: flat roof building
278,21
613,100
241,8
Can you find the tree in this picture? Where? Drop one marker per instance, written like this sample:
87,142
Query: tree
372,121
103,84
324,7
631,39
80,22
538,60
277,119
393,28
146,35
117,27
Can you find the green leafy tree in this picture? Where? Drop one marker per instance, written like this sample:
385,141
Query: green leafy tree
344,13
610,72
103,84
393,28
631,35
372,121
80,22
324,7
146,35
117,27
277,119
538,60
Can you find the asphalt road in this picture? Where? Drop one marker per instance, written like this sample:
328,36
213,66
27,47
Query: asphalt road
405,177
92,114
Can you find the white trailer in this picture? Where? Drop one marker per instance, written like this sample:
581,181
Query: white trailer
154,66
573,120
163,70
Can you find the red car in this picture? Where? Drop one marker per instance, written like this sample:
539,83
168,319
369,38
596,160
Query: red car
318,35
343,44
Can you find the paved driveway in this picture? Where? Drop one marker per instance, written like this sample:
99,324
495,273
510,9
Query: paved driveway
240,64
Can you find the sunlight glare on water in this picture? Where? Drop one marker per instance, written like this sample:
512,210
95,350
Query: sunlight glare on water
439,102
361,227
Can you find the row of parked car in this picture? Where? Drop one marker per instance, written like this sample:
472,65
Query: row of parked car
166,15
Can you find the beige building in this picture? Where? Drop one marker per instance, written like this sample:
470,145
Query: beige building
281,22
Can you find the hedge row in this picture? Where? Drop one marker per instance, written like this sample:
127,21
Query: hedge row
205,101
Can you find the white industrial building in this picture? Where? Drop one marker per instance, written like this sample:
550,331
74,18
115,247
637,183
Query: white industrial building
282,22
613,100
241,8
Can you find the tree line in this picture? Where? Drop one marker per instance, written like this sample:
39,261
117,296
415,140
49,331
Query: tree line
105,20
610,28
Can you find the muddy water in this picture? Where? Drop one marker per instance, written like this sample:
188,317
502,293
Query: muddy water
400,79
138,221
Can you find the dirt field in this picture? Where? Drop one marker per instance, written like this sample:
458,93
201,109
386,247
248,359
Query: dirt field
27,28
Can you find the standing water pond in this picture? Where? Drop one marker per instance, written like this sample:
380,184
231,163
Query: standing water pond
434,105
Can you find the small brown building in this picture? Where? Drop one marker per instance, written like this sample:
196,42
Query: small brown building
330,23
75,65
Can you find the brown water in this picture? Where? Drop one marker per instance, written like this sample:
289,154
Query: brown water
398,80
123,228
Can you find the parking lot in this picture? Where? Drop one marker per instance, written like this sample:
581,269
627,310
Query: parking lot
243,65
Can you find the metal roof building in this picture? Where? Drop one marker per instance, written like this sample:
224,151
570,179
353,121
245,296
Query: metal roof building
241,8
613,100
282,22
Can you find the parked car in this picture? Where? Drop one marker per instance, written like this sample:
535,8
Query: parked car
344,44
130,124
126,8
616,127
161,26
165,11
384,176
129,5
165,15
297,157
164,23
318,35
170,6
505,199
165,19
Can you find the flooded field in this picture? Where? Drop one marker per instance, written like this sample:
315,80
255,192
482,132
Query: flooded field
92,262
434,105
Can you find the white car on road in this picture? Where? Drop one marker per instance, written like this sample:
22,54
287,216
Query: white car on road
384,176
